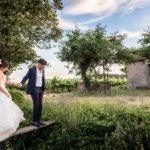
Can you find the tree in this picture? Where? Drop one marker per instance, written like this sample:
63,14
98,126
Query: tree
114,53
122,55
88,50
81,50
145,41
144,51
26,24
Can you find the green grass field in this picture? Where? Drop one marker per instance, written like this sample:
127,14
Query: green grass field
117,120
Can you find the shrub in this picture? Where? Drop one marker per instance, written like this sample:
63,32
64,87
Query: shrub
88,126
17,95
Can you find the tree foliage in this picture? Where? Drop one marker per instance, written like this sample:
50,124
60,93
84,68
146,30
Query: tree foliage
25,24
88,50
145,44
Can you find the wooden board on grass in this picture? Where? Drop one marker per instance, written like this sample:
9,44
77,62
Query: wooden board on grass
32,128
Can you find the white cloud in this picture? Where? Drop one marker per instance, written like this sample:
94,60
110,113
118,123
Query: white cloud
102,9
94,20
67,25
132,34
92,7
131,5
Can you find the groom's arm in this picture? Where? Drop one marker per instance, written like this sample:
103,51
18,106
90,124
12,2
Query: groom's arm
26,77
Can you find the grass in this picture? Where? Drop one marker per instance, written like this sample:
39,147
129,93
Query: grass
93,121
125,97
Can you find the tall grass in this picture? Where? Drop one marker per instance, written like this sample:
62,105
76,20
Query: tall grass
86,126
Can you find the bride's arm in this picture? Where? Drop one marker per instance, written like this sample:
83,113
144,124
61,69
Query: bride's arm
12,83
1,87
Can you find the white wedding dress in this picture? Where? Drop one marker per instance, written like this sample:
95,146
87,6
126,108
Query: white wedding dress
10,115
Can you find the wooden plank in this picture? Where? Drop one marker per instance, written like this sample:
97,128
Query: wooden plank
32,128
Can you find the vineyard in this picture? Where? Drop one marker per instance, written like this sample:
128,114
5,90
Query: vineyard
58,85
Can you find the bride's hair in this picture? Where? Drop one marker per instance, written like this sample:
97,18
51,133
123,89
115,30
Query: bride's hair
4,63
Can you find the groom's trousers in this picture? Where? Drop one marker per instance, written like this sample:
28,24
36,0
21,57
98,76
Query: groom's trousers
37,97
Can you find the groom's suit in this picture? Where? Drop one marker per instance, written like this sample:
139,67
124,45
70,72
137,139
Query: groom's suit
35,91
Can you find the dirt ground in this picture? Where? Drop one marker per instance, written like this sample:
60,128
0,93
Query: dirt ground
126,100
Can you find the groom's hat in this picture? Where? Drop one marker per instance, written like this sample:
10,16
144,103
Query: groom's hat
42,61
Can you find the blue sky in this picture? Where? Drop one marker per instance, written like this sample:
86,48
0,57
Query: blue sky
125,16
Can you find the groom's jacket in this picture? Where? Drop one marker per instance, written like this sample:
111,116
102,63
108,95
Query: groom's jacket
31,76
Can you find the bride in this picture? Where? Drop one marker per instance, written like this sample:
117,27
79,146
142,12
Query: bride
10,114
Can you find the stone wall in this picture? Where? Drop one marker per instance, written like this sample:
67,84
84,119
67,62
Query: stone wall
95,86
138,75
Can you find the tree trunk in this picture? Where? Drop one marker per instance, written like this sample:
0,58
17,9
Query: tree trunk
104,75
85,79
107,74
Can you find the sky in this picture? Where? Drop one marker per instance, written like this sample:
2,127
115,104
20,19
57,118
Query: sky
125,16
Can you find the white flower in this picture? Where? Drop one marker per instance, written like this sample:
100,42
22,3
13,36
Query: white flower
0,61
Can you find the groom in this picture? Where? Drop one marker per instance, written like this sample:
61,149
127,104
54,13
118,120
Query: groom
35,88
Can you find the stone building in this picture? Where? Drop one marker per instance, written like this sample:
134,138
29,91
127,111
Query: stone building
138,74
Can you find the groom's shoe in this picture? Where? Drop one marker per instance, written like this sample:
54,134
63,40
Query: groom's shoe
37,124
41,123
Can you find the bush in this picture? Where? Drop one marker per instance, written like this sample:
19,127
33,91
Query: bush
17,96
57,85
88,126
